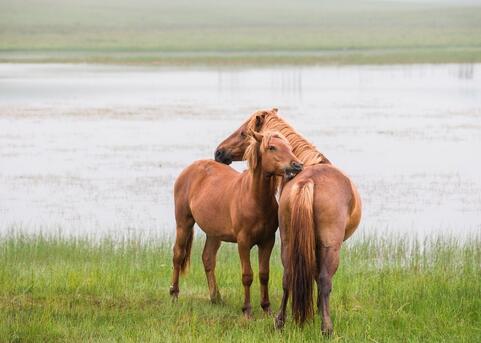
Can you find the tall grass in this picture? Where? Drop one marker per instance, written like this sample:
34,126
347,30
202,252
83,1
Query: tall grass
386,290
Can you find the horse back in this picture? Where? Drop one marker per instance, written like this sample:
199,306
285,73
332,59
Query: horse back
336,201
199,171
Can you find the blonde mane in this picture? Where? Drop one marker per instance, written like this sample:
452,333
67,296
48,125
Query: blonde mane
251,155
301,147
254,150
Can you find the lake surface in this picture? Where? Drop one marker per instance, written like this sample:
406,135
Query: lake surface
95,150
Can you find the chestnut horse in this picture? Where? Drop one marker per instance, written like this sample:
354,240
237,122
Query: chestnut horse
318,210
233,207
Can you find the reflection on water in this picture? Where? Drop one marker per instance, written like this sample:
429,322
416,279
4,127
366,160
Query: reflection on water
96,149
466,71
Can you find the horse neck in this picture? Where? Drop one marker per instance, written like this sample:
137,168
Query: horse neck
301,148
262,186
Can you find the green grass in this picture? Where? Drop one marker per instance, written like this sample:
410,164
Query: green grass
386,290
235,32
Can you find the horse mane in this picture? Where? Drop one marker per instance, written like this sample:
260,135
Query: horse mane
301,147
253,153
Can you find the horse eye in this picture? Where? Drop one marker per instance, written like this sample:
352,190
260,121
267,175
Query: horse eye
272,148
243,135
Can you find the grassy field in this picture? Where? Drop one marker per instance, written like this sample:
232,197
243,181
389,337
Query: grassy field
234,32
386,290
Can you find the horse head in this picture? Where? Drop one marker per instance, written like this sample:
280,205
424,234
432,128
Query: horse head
272,152
234,146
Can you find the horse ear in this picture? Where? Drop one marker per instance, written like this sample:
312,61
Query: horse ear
257,136
260,120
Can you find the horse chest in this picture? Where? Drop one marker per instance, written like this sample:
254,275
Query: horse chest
256,228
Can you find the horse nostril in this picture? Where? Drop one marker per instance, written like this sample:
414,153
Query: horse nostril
296,166
218,154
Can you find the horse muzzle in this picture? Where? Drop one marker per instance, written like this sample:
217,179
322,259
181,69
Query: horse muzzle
223,157
293,170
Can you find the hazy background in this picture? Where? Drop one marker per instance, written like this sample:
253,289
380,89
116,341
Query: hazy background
205,31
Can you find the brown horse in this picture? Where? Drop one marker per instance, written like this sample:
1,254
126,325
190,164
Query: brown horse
233,207
318,210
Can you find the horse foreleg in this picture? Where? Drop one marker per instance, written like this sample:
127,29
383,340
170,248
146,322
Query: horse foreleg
244,253
209,258
329,264
265,250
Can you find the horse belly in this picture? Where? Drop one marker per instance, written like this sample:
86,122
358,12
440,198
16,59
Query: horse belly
213,219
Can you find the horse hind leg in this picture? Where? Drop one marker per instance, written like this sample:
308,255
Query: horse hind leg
281,316
328,266
181,252
209,259
318,280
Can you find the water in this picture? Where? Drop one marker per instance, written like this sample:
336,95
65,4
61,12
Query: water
94,150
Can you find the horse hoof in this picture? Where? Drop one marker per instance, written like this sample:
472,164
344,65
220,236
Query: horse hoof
174,293
278,323
248,316
247,313
327,331
217,299
267,309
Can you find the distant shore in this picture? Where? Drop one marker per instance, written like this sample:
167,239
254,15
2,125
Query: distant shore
464,54
251,32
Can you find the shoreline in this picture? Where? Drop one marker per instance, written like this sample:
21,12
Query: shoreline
354,56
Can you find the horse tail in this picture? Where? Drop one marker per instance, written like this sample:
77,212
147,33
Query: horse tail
184,265
302,252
